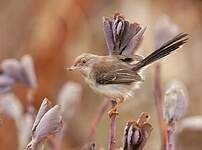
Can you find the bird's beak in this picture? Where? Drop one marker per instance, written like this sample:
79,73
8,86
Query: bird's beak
72,68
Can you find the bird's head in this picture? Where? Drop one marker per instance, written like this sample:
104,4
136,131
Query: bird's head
84,63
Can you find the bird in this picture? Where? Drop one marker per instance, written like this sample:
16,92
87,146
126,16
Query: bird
117,75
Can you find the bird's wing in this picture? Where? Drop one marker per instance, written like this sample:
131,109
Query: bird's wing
115,73
129,59
122,37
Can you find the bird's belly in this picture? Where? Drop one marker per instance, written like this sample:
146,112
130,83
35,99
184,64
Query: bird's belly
113,90
110,90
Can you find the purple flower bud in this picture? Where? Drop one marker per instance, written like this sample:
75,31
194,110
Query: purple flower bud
134,44
122,37
68,98
108,34
12,68
29,72
175,102
6,83
22,72
164,30
45,106
49,123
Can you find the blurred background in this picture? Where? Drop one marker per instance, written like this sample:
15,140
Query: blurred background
55,32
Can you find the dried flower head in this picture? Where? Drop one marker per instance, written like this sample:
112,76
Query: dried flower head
175,102
164,30
136,133
122,37
45,106
29,71
50,122
12,68
68,98
21,71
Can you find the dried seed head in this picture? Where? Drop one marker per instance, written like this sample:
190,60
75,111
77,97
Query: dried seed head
49,123
125,134
68,98
118,24
29,71
21,71
12,68
45,106
134,44
136,133
175,102
119,28
122,37
108,34
133,136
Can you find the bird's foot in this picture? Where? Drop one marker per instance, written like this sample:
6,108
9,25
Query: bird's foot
113,112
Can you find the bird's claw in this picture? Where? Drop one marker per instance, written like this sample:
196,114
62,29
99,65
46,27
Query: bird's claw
112,112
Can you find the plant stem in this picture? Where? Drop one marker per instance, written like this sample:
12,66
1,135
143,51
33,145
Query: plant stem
112,138
171,136
159,107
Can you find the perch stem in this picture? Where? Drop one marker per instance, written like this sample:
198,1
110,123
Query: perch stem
112,137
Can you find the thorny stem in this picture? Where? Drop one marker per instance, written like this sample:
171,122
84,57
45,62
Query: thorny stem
98,115
159,107
112,138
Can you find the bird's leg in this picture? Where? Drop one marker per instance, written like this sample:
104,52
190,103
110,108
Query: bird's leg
114,111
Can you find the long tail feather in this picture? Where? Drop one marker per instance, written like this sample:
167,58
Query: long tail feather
163,51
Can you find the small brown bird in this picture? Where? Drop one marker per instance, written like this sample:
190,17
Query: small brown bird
117,75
